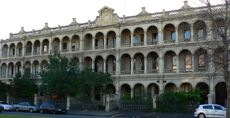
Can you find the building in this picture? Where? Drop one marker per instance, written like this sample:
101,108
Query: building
149,52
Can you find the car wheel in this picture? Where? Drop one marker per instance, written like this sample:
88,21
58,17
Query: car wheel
17,110
41,111
201,115
31,110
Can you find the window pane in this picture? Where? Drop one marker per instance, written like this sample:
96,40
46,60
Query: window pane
187,35
200,33
173,35
218,107
207,107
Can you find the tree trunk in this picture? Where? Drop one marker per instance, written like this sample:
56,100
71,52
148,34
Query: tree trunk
228,99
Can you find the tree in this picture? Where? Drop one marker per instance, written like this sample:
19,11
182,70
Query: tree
59,76
4,89
88,80
220,18
22,87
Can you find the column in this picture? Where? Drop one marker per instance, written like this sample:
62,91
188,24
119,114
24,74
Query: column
50,46
117,64
211,94
132,65
7,69
177,37
93,64
131,94
60,47
145,38
192,33
105,42
81,63
161,63
211,67
193,63
93,43
160,34
118,41
161,87
131,40
177,63
145,62
81,45
104,66
40,51
32,50
8,52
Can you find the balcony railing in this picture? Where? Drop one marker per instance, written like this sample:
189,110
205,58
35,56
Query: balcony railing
201,68
138,71
153,71
138,43
169,41
88,48
167,70
75,49
125,44
99,47
36,53
152,43
124,72
111,46
185,70
65,50
28,53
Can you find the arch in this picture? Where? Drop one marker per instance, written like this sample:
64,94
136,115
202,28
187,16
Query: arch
45,46
138,63
99,40
111,64
28,48
125,91
4,50
11,70
56,45
75,43
27,72
12,50
169,33
184,32
221,93
186,87
138,36
99,64
170,62
88,41
3,70
138,91
110,88
18,67
152,62
65,44
170,87
152,90
125,38
19,49
185,61
36,47
201,60
204,88
152,35
125,64
111,39
88,63
35,69
199,30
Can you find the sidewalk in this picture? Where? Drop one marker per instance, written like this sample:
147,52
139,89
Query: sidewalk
124,114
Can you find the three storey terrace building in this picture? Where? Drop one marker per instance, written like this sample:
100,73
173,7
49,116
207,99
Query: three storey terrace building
146,53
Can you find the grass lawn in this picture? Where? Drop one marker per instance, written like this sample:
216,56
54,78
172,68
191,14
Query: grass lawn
19,116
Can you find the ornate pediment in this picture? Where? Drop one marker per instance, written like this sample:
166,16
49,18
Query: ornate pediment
143,15
106,17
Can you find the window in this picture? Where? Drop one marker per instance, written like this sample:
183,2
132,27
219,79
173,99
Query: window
188,61
201,61
187,35
218,107
200,33
173,36
154,37
64,47
207,107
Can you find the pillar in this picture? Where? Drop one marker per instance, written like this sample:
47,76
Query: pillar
104,66
35,99
68,103
161,63
132,64
93,64
177,37
145,66
118,41
105,42
118,64
192,33
93,43
145,38
193,63
177,63
131,40
50,46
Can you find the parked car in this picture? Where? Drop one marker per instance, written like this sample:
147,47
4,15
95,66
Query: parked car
48,107
25,106
7,107
1,108
210,110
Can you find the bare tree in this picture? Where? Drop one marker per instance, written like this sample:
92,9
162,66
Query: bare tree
219,15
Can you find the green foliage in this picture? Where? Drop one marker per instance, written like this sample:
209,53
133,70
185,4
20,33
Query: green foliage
22,87
62,77
4,89
178,101
89,79
59,76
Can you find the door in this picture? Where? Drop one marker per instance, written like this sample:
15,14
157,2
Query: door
208,110
220,112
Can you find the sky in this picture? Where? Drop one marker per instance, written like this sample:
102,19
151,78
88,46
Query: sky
33,14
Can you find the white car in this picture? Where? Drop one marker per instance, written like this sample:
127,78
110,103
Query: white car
7,107
210,111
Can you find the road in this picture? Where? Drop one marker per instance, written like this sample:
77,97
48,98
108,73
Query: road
119,115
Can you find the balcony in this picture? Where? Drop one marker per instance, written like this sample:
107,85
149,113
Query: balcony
138,44
169,41
125,72
125,44
152,43
153,71
138,71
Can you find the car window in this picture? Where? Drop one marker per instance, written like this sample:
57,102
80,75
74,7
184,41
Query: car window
207,107
218,107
